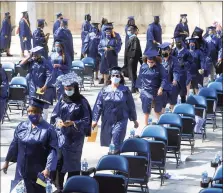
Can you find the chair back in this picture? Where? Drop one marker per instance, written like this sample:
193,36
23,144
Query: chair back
216,85
218,174
198,101
19,80
208,93
184,109
211,190
88,61
170,119
81,184
8,66
78,64
155,131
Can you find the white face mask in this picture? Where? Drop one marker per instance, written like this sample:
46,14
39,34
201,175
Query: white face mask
69,92
184,20
115,80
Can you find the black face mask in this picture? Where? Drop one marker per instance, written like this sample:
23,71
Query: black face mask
178,45
165,54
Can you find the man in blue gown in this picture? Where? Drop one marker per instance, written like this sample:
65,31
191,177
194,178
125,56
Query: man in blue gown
34,149
40,39
25,33
153,35
5,35
57,23
4,86
86,26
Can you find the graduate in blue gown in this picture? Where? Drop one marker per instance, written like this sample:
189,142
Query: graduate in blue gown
86,27
25,33
4,86
115,105
64,35
185,61
108,49
153,35
40,39
40,77
152,81
60,65
197,65
57,23
34,149
72,116
90,46
5,35
131,22
181,28
172,67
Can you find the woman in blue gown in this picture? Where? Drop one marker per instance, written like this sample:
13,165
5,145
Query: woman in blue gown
4,86
115,105
34,149
72,116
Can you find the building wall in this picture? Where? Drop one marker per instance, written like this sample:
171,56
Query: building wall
200,14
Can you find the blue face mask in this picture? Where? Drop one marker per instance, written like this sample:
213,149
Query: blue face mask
57,49
34,119
129,33
69,92
192,47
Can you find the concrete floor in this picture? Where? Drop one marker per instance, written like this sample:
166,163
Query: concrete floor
186,177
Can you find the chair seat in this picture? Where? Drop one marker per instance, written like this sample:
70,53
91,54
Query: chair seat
137,181
112,176
217,185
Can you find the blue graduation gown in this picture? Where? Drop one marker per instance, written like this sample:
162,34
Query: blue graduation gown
154,32
39,76
65,36
86,27
185,59
34,149
126,37
4,86
180,27
39,40
115,108
109,59
57,24
71,139
25,31
5,34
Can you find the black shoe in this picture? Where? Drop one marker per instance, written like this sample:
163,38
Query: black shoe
101,81
9,55
133,90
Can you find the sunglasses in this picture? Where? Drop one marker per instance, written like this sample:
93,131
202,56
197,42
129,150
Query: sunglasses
115,75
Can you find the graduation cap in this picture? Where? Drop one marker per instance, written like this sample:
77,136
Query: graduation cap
95,24
198,30
41,21
36,50
24,12
131,17
58,14
164,46
7,13
115,70
156,17
86,15
68,79
183,15
177,38
65,21
211,28
151,55
35,102
192,39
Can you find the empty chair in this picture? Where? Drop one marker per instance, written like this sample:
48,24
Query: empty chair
173,123
217,181
21,71
211,190
187,113
211,97
78,68
219,90
17,93
89,69
111,183
9,68
156,136
81,184
200,107
139,166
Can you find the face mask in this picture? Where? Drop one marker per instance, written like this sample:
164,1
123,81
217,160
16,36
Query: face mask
184,20
192,47
165,54
178,45
9,17
108,36
69,92
34,119
57,49
115,80
129,33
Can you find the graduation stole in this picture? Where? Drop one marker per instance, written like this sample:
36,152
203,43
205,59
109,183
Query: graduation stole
27,25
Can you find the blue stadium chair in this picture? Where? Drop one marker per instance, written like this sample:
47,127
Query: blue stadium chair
9,68
217,180
111,183
22,71
187,113
211,190
200,107
211,97
139,166
81,184
156,136
173,123
78,67
89,70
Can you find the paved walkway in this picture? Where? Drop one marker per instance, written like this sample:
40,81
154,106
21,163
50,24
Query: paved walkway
186,177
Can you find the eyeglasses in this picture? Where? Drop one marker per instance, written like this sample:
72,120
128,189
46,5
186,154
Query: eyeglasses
115,75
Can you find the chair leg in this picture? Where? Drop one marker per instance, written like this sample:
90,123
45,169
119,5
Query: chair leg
176,159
